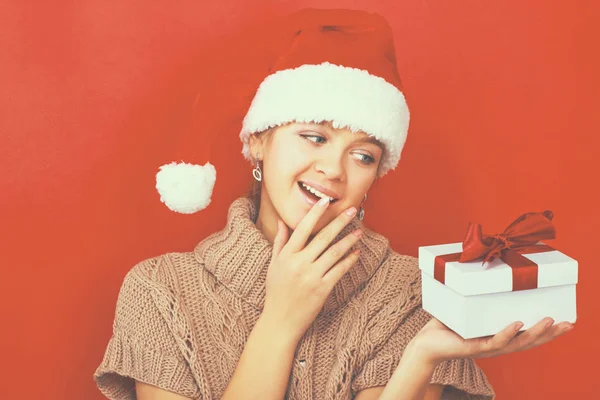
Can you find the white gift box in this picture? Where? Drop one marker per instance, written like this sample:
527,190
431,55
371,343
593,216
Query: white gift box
478,300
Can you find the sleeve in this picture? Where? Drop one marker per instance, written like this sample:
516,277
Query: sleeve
142,346
463,379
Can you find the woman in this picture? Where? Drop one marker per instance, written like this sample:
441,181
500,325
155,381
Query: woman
295,298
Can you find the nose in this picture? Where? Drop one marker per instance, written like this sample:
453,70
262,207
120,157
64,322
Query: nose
332,166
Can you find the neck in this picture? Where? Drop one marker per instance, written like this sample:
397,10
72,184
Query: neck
266,221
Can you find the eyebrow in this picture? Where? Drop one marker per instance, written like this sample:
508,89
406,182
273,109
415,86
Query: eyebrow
366,139
371,139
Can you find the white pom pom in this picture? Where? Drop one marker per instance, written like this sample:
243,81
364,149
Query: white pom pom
186,188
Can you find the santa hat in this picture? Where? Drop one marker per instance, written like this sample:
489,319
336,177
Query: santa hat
332,65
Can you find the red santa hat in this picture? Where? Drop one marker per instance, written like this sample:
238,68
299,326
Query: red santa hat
332,65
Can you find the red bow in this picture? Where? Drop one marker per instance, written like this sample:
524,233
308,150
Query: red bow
525,231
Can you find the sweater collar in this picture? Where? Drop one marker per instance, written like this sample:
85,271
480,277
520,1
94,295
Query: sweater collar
239,255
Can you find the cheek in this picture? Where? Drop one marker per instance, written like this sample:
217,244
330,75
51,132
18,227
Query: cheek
286,160
281,169
359,182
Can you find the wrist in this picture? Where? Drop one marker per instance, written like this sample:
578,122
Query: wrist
419,354
272,328
412,376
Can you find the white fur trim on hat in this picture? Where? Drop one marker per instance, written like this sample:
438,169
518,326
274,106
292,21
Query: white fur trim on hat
186,188
348,97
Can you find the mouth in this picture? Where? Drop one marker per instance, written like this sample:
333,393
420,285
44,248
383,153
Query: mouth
314,194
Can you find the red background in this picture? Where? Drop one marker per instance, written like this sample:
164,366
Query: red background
95,95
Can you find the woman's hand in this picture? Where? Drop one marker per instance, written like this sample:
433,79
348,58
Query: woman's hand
300,277
436,342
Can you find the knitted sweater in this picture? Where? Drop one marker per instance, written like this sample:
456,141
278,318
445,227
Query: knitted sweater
182,320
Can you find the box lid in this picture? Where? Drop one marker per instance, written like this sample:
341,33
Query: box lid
473,278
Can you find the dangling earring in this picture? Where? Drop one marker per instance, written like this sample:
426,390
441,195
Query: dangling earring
256,172
361,212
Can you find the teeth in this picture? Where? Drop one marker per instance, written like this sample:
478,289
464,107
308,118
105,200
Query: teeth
316,192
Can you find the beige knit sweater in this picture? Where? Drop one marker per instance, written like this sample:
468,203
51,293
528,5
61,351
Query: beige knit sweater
182,320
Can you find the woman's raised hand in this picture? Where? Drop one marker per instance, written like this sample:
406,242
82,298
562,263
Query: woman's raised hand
300,276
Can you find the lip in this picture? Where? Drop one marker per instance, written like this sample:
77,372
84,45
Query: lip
324,190
309,200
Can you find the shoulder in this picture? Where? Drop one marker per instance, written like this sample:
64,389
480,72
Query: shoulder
153,299
164,270
401,266
158,282
391,302
391,295
404,273
391,271
398,277
148,329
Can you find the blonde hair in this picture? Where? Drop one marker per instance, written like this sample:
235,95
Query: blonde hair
254,191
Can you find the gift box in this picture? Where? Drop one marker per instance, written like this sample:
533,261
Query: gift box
481,285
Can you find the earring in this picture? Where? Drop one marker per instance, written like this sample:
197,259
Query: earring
256,172
361,212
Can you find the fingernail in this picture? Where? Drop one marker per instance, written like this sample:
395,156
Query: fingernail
549,323
351,211
518,326
568,327
324,201
357,233
357,252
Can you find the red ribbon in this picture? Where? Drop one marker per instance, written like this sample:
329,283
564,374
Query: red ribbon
518,238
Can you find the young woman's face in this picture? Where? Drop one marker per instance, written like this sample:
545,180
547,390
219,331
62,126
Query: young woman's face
335,162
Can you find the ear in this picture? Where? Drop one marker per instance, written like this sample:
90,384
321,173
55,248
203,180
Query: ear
256,146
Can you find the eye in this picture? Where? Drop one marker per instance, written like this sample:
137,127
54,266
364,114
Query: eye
316,139
365,158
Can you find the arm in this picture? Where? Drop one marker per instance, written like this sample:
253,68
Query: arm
264,367
145,391
434,392
410,381
411,378
436,343
262,372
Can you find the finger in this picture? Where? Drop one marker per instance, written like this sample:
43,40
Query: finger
305,227
494,344
340,269
551,334
336,252
530,336
281,237
326,235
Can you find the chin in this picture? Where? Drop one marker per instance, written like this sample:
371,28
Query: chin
293,210
293,218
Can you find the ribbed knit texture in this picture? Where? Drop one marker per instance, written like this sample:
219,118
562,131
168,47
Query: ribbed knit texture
182,320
